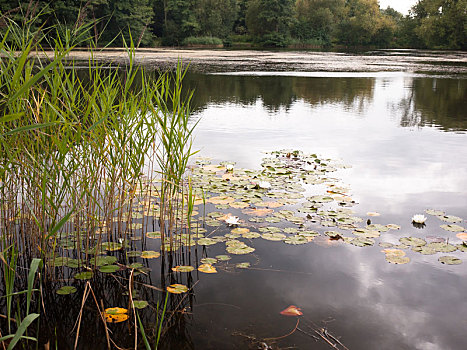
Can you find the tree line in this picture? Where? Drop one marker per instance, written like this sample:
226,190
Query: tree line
280,23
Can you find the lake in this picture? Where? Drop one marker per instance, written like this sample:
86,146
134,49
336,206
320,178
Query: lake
325,226
404,135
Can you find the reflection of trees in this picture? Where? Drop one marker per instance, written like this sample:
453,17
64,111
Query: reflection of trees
278,91
434,101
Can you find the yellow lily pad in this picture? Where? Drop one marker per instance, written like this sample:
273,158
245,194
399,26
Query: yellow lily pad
177,288
207,268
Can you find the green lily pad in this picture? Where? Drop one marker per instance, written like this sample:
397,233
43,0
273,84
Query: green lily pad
223,257
244,265
453,228
104,260
399,260
450,260
154,235
65,290
386,245
251,235
295,240
207,241
434,212
378,227
425,250
109,268
442,247
273,236
366,233
361,241
450,218
209,261
240,250
111,246
413,241
86,275
140,304
183,268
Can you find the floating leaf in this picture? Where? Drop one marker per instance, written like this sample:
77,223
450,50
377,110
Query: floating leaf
115,315
425,250
221,200
183,268
140,304
450,218
240,250
244,265
367,233
86,275
434,212
393,226
450,260
109,268
156,234
292,310
393,252
111,246
453,228
373,213
207,268
257,212
65,290
177,288
393,259
295,240
251,235
208,261
223,257
239,205
207,241
240,230
150,254
273,236
378,227
412,241
442,247
462,236
361,241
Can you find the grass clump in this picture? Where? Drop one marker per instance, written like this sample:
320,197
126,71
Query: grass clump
203,40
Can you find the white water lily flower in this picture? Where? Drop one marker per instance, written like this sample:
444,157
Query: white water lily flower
229,167
264,184
419,219
232,220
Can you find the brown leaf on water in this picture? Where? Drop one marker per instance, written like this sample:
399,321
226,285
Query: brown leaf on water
292,310
221,200
462,235
257,212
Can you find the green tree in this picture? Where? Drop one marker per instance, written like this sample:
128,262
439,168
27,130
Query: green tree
317,19
215,17
442,23
270,20
178,20
364,24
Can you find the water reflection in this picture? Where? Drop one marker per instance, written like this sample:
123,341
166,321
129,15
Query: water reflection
437,102
440,102
279,92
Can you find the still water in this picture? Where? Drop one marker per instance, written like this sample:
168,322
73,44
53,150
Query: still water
404,136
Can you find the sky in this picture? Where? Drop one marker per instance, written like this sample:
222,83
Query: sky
402,6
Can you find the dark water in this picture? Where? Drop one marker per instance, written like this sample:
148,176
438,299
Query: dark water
404,136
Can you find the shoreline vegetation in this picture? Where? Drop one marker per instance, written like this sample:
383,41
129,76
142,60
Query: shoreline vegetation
310,24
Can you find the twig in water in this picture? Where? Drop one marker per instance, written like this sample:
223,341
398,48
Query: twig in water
285,336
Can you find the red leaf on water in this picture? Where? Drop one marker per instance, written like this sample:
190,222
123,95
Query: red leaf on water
292,310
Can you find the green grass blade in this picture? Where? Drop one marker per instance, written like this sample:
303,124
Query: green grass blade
21,329
31,277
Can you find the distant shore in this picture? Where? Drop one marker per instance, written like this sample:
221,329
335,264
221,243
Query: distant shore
212,60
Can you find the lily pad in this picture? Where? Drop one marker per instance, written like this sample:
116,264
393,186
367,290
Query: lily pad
450,218
86,275
244,265
399,260
413,241
240,230
273,236
150,254
65,290
155,235
295,240
453,228
449,260
393,252
434,212
442,247
251,235
361,241
208,261
140,304
177,288
240,250
223,257
183,268
207,268
207,241
109,268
